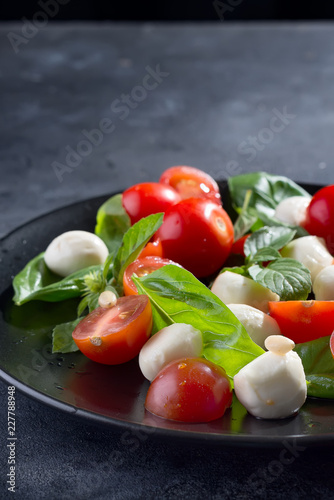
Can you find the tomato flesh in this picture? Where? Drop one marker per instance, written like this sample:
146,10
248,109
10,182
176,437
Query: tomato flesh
303,320
320,216
191,182
148,198
153,248
115,335
331,343
190,390
141,267
198,234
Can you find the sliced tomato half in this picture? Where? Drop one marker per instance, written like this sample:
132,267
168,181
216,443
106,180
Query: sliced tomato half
191,182
115,335
303,320
331,343
141,267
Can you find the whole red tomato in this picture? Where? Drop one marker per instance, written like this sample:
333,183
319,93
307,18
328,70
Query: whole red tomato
148,198
190,390
320,216
198,234
191,182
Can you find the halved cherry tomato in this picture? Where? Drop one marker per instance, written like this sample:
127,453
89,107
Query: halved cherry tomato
303,320
320,216
331,343
153,248
142,266
148,198
198,234
191,182
190,390
115,335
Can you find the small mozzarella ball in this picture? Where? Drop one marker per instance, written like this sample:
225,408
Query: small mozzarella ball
293,210
233,288
107,299
74,250
172,342
274,384
257,324
310,251
323,286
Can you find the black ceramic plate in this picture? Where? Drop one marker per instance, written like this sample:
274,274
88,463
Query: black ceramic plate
106,394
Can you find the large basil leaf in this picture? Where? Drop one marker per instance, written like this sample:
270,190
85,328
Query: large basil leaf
290,279
133,242
37,282
267,191
178,297
318,365
274,237
62,340
112,222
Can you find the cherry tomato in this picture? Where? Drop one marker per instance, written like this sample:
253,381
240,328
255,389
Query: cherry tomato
320,216
238,246
115,335
198,234
303,320
148,198
142,266
191,182
153,248
331,343
190,390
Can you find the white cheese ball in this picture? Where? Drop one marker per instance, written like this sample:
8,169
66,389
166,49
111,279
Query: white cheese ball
293,210
310,251
323,286
274,384
258,324
172,342
233,288
74,250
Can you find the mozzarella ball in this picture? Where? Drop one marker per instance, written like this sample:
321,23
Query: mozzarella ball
293,210
233,288
257,323
274,384
323,286
172,342
74,250
310,251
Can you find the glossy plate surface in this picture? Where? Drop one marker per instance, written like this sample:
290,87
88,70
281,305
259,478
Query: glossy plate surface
113,395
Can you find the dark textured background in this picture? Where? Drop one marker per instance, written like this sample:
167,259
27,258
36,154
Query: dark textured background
225,84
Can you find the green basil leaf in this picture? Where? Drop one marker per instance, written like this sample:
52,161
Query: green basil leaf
30,283
267,191
178,297
318,365
265,254
246,219
62,340
112,222
290,279
274,237
133,242
243,270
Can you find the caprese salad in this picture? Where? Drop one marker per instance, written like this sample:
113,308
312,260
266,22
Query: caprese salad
210,300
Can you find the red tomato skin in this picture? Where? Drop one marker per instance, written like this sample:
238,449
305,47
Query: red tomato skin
190,390
331,343
142,266
238,245
303,320
198,234
320,216
153,248
148,198
121,339
191,182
